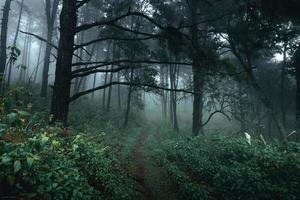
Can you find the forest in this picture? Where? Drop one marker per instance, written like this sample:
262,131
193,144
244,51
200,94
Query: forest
150,99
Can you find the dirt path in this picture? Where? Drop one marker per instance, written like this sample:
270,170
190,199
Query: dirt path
139,158
153,180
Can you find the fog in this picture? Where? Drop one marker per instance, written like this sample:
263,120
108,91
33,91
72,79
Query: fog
149,99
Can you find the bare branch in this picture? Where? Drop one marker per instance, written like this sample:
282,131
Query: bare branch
78,95
212,114
106,63
112,38
85,27
40,38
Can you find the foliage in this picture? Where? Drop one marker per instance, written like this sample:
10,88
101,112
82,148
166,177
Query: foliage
49,162
229,168
14,53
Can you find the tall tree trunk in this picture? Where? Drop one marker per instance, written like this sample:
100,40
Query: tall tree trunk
242,109
282,87
104,90
163,96
109,90
171,103
129,99
51,16
25,55
28,64
119,92
198,99
62,84
45,75
297,67
3,42
79,40
173,97
105,77
15,43
38,63
110,80
198,80
264,99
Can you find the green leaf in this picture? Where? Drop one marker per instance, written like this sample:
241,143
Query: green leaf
29,161
23,113
17,166
5,159
12,117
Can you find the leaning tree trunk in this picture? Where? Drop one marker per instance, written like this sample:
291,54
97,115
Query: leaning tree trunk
62,84
3,42
264,99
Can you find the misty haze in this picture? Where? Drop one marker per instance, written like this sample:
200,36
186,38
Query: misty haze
150,99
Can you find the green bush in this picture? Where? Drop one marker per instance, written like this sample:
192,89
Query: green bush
38,161
223,167
40,168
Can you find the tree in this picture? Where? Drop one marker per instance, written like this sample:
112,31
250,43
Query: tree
62,84
15,41
3,42
51,11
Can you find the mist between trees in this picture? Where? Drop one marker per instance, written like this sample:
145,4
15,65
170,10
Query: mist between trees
150,99
236,61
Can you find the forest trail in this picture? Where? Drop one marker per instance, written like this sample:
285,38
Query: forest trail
138,159
153,180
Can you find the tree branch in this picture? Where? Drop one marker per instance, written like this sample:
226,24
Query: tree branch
85,27
102,64
112,38
78,95
212,114
40,38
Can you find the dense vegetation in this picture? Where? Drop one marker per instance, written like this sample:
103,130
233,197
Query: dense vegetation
41,161
149,99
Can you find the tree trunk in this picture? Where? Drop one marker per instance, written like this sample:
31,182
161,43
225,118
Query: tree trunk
198,80
105,77
163,96
129,99
38,63
264,99
45,74
15,43
171,102
282,87
297,67
3,42
51,16
25,55
62,84
173,97
110,80
119,92
198,100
